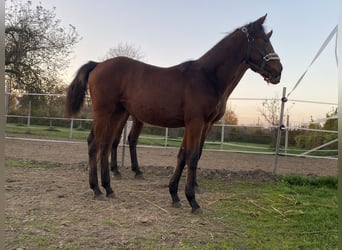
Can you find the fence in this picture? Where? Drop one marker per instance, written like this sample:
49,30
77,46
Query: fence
232,138
272,140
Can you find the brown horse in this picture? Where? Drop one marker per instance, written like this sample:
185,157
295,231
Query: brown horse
192,94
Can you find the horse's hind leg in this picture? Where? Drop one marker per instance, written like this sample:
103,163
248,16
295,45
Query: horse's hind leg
114,162
106,125
92,153
105,177
120,123
133,140
99,142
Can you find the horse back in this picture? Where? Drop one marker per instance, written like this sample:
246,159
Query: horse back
160,96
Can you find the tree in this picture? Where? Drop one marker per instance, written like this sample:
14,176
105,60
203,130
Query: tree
125,49
270,111
230,117
37,47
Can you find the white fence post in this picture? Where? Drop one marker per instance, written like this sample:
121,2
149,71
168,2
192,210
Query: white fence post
166,136
71,127
124,138
222,133
28,118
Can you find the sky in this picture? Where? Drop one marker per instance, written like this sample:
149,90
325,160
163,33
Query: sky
171,32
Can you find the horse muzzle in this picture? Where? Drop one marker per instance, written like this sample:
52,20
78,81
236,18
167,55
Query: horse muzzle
272,79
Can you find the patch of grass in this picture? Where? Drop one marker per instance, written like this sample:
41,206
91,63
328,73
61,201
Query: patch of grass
278,214
39,240
111,223
322,181
30,164
53,129
45,131
275,215
31,233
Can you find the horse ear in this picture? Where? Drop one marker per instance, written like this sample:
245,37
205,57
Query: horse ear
261,20
269,34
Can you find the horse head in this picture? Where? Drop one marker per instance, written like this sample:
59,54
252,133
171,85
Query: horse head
260,55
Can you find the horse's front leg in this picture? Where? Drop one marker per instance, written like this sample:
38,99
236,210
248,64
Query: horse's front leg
174,181
188,154
193,138
191,182
205,132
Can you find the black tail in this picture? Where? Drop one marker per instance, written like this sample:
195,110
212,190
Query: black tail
77,89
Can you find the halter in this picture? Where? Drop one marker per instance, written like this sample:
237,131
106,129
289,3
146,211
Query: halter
265,56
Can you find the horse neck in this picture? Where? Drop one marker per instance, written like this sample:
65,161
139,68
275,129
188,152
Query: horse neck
225,62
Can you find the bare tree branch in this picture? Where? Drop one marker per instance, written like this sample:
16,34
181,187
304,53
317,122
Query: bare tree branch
125,49
270,111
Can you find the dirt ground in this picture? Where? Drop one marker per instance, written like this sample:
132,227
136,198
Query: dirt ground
52,208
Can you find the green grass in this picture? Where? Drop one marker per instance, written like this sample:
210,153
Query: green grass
292,213
111,223
322,181
46,131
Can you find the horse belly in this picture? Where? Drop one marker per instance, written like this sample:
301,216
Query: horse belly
157,113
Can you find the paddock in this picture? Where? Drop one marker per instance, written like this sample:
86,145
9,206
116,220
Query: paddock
49,204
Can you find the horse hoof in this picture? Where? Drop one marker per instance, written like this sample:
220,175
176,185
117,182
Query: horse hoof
111,196
197,211
139,177
177,204
117,177
99,197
